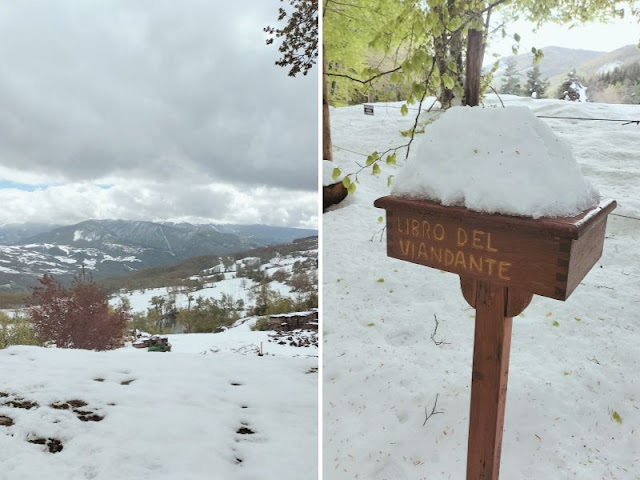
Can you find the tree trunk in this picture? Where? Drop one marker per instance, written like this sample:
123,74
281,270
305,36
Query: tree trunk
475,52
327,151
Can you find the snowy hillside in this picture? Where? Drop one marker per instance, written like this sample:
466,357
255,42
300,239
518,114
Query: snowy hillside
573,400
211,408
219,280
118,247
239,404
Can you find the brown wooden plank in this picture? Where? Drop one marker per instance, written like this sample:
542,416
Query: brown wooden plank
488,382
526,261
547,257
570,227
585,252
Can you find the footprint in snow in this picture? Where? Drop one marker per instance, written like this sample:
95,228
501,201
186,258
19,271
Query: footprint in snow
53,444
77,407
244,429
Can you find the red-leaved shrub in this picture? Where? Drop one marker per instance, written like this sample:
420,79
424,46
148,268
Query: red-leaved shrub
77,317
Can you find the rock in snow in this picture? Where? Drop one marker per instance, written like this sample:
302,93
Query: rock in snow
496,160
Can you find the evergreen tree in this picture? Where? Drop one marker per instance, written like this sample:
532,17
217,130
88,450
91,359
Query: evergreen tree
511,81
572,90
535,86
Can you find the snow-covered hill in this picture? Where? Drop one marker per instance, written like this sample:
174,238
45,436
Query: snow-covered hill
239,404
117,247
573,401
219,280
211,408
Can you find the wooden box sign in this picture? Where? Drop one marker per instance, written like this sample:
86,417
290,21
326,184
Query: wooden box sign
502,261
545,256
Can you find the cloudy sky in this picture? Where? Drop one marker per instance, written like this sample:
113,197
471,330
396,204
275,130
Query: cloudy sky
597,36
153,110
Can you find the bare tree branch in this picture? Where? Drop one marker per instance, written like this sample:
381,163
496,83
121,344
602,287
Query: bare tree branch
494,91
435,330
364,82
424,94
379,232
433,411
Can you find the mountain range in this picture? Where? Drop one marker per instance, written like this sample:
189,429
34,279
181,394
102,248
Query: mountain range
108,248
558,62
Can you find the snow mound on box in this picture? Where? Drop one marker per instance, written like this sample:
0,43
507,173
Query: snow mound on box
496,160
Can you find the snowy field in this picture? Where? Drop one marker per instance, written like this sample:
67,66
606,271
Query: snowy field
210,409
573,401
236,287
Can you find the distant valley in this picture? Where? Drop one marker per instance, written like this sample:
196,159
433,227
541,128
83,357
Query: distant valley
110,248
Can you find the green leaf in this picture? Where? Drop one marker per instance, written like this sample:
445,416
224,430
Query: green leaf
336,173
616,416
380,280
369,160
389,180
391,159
404,110
371,324
556,323
376,169
351,189
516,37
380,219
577,319
514,50
448,82
346,181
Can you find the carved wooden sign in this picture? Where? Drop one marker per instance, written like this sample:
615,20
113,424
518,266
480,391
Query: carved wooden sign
547,256
502,261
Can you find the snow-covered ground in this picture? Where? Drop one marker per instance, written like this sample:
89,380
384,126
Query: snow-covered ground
239,339
573,401
210,409
237,287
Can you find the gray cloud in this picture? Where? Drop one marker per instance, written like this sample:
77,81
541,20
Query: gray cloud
153,91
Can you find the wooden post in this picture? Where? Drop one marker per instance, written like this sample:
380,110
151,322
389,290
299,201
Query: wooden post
327,150
474,68
495,308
